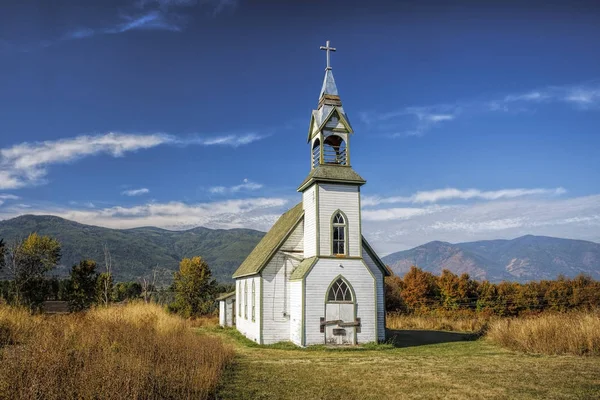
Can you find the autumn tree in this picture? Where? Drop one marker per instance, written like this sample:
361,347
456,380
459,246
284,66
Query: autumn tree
194,288
28,260
82,285
393,293
420,289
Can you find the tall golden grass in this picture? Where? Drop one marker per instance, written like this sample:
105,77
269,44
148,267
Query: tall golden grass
133,352
568,333
458,322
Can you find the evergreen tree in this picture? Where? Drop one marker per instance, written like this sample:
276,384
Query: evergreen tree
82,293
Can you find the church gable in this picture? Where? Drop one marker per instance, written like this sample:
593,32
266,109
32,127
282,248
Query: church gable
270,243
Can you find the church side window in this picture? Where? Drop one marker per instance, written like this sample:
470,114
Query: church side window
240,299
339,292
246,299
253,301
339,234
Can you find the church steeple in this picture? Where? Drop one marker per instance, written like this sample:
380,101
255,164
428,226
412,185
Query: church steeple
329,134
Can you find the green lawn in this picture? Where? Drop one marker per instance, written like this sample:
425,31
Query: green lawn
421,364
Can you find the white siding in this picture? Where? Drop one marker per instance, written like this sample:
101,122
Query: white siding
345,198
296,312
310,221
380,295
276,289
222,314
317,283
244,323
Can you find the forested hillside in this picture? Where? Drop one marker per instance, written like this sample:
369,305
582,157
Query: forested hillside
136,251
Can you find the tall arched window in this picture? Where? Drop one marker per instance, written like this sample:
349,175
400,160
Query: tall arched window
253,300
246,299
339,292
240,299
338,226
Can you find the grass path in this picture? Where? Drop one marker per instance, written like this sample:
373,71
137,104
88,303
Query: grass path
451,370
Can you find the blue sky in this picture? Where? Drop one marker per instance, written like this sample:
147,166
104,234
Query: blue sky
472,121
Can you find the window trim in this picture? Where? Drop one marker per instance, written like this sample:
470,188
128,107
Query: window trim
240,299
253,301
246,299
346,230
350,288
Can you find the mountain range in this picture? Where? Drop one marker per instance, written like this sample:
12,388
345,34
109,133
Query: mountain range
522,259
135,252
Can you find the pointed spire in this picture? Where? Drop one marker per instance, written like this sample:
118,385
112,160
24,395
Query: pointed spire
328,84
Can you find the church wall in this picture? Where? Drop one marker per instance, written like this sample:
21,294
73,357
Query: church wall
346,199
296,312
380,295
222,314
309,203
318,281
244,323
276,289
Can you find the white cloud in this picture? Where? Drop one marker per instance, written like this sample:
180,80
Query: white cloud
26,164
434,196
392,229
245,186
135,192
256,213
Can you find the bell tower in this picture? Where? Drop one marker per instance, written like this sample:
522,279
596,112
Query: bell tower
331,192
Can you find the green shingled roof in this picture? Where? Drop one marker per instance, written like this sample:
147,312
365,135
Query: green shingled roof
303,268
266,248
332,173
225,296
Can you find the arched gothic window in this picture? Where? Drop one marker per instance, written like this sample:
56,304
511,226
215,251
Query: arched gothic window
246,299
338,227
339,292
253,300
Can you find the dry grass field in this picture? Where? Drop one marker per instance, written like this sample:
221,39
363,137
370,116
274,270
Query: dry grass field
133,352
416,364
141,352
575,333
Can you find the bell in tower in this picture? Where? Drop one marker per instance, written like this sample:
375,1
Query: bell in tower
330,130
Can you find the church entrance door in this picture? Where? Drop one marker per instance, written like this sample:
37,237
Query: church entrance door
340,314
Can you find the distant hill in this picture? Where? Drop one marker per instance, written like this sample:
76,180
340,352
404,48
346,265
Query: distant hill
521,259
136,251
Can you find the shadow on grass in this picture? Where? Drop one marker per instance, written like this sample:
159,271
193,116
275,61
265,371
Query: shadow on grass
412,338
395,339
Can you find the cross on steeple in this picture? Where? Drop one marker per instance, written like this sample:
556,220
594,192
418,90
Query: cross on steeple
327,49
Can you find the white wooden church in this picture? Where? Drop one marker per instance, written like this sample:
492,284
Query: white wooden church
313,278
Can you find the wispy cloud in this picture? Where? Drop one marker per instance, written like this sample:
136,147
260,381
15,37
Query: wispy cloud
255,213
394,229
416,121
245,186
26,164
135,192
435,196
4,197
150,15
